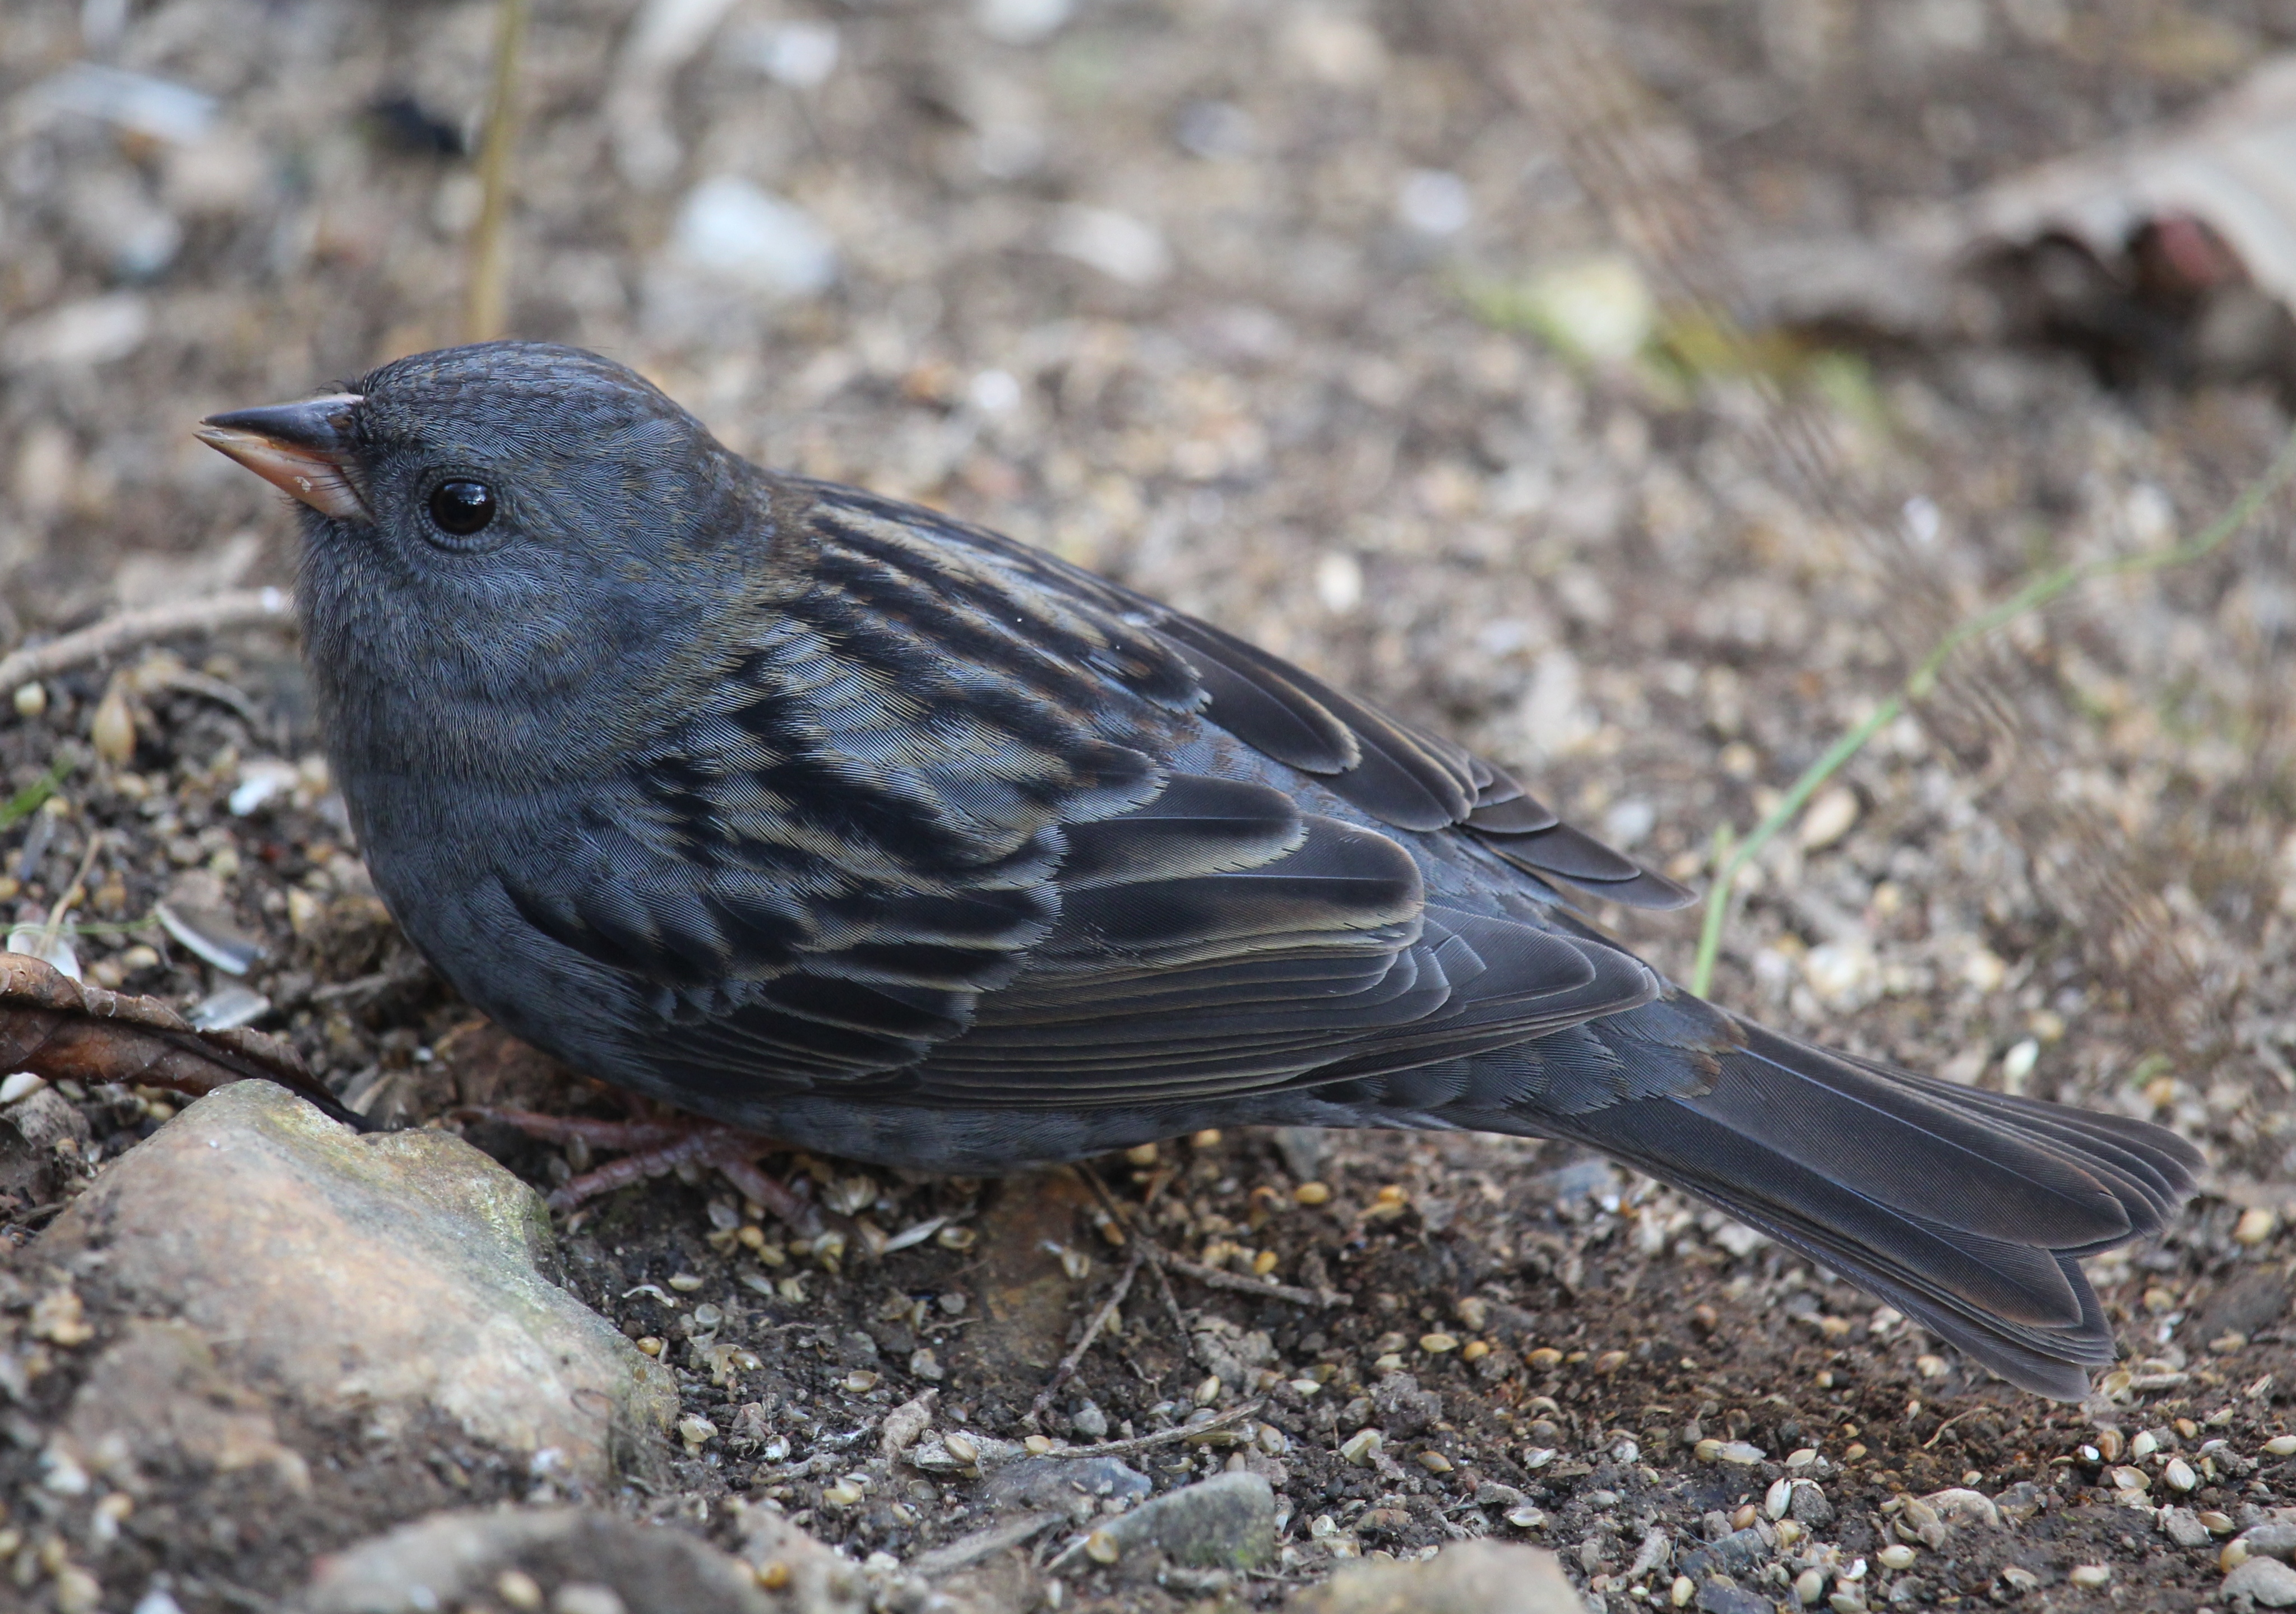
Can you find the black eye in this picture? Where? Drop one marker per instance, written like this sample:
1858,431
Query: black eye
461,508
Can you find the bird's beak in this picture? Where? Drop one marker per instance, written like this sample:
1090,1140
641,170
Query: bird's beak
298,449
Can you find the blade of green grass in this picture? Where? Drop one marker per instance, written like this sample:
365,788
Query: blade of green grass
1732,855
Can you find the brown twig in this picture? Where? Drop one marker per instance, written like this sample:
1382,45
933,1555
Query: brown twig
487,306
53,1026
1069,1364
131,628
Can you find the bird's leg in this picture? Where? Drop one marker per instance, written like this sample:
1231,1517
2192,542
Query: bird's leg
656,1148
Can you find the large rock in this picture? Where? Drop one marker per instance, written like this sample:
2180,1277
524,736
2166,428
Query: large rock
1226,1523
399,1276
571,1559
2262,1582
1472,1577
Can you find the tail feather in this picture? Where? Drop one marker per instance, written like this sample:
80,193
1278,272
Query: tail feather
1967,1210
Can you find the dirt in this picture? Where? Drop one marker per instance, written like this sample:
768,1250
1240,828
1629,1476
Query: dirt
2069,875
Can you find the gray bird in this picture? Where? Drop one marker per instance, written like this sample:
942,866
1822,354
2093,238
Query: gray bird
841,821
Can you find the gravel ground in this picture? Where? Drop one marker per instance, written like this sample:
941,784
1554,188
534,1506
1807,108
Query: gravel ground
1210,297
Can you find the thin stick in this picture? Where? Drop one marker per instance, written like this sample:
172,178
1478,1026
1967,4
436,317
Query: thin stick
1235,1283
1141,1443
131,628
486,312
2035,593
1092,1331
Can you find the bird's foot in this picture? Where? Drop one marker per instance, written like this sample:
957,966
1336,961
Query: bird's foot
654,1149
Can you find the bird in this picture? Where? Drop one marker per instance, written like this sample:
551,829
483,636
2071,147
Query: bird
855,825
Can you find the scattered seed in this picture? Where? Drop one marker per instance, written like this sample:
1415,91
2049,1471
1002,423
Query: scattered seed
773,1576
962,1448
2091,1575
844,1493
1609,1362
2127,1479
1743,1518
1102,1547
956,1238
859,1383
696,1431
2280,1445
1526,1518
1037,1445
1207,1392
2180,1476
1474,1350
650,1344
2257,1223
1774,1503
1435,1463
2017,1577
1681,1591
1789,1533
1264,1263
1744,1453
1803,1458
1435,1345
2218,1524
519,1589
2142,1446
1209,1138
1539,1457
1929,1367
1362,1447
31,700
1897,1555
1709,1450
1544,1359
1141,1154
2109,1445
1809,1586
1313,1194
684,1283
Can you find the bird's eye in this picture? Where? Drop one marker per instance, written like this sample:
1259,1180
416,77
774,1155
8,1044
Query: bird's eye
462,507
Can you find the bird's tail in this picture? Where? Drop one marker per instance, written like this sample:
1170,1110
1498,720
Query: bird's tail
1965,1209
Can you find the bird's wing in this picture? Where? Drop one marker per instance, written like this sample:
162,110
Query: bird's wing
1395,771
919,843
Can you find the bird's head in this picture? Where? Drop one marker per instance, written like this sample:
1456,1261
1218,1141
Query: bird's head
500,533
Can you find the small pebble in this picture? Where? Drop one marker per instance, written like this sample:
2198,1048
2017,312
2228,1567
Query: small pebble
587,1597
